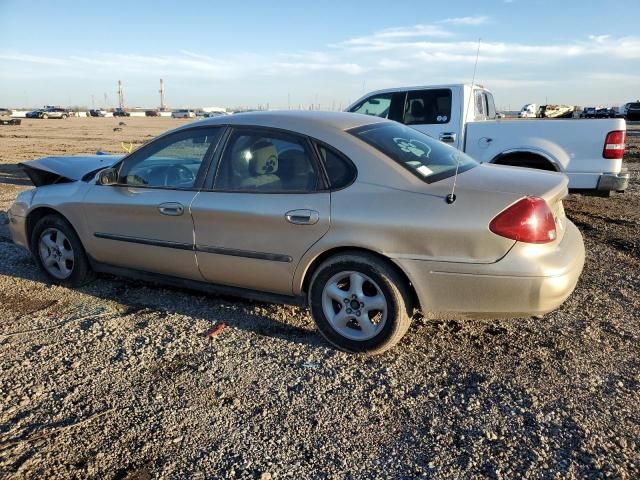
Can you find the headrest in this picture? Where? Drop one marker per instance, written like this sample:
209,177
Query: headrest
264,158
417,108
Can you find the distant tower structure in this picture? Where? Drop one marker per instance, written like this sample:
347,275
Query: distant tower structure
120,95
163,105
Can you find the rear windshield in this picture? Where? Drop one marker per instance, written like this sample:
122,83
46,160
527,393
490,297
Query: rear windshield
428,159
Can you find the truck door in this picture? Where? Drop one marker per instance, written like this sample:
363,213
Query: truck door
432,111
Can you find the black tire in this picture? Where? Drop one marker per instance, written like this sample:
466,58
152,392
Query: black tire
64,117
391,284
81,272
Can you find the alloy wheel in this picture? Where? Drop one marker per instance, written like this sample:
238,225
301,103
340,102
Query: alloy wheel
56,253
354,305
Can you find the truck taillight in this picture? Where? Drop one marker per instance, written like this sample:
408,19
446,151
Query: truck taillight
529,220
614,144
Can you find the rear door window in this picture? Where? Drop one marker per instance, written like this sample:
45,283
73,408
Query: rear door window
340,171
428,107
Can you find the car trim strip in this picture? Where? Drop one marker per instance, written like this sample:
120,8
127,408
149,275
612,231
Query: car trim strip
144,241
274,257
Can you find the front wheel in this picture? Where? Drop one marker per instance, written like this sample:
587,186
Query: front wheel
360,303
45,116
59,252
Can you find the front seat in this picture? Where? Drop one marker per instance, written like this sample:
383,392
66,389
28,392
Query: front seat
263,167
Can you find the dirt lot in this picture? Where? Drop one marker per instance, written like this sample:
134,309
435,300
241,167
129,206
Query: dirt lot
120,380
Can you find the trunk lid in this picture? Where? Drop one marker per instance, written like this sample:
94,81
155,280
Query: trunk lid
550,186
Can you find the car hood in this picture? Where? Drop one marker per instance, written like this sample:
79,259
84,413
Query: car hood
48,170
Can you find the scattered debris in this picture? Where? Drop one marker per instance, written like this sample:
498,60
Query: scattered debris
216,330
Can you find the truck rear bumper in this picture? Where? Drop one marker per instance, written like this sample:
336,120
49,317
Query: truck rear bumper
613,182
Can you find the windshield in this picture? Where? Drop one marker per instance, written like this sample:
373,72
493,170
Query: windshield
428,159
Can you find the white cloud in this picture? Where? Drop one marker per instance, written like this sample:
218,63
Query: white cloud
471,20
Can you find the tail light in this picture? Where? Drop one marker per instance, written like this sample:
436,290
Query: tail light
614,144
529,220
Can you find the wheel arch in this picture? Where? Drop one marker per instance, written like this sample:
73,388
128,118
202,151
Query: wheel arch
40,212
525,157
320,259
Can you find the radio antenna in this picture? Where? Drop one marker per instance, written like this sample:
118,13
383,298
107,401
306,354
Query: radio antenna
452,196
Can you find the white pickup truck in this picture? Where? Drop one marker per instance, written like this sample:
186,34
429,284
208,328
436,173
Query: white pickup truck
589,152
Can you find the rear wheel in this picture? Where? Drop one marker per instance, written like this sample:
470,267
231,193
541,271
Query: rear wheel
59,252
360,303
45,116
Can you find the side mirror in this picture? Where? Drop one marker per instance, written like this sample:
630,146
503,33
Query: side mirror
108,176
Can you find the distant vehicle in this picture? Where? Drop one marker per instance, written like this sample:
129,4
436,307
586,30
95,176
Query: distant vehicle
605,112
589,153
5,117
530,110
589,112
183,114
203,114
49,112
120,112
152,113
633,111
500,115
555,111
98,112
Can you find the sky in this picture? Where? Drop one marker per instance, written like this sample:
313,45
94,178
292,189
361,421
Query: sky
292,53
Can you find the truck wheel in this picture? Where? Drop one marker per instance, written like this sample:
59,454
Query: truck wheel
44,116
64,117
360,303
59,252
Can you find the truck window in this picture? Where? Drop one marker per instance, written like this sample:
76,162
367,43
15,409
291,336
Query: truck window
491,106
376,105
428,107
384,105
481,112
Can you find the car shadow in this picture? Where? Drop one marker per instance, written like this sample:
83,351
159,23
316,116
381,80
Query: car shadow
12,174
140,297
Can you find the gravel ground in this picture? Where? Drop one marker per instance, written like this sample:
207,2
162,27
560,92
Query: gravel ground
120,379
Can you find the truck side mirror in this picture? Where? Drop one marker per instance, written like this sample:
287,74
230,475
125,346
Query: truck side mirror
108,176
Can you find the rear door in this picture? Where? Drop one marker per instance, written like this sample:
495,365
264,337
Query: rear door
265,208
436,112
143,222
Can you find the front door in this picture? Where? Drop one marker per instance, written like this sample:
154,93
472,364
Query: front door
430,111
144,222
267,207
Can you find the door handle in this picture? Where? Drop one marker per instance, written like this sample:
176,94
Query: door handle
302,217
171,208
448,137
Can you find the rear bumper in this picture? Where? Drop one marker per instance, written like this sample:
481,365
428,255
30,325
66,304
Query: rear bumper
529,280
613,182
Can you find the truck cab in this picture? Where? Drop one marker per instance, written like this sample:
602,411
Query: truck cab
464,116
437,111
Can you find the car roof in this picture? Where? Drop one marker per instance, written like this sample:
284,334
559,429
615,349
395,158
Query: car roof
294,120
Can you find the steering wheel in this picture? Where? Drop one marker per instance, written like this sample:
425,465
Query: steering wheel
174,174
